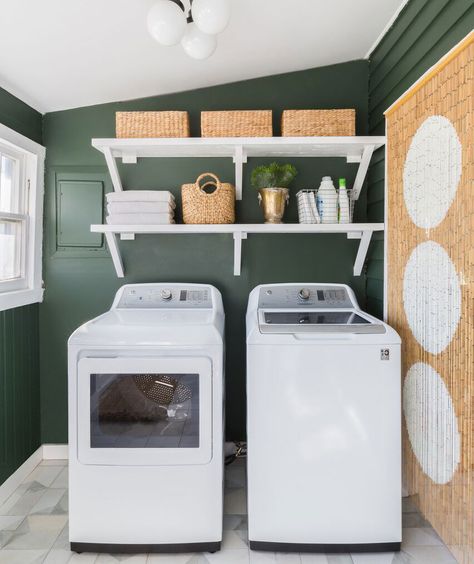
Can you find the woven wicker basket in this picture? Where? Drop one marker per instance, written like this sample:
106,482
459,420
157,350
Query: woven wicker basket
151,124
200,206
307,123
237,123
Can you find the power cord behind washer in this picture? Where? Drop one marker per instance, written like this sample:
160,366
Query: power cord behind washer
240,452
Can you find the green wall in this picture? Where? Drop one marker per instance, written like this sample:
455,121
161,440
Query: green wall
19,354
80,283
424,31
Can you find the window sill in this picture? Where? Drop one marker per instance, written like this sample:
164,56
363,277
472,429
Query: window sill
18,298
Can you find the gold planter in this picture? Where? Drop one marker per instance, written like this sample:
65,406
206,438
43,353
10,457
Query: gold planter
273,202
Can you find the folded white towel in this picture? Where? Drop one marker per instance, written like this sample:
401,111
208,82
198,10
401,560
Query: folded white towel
140,207
140,196
140,219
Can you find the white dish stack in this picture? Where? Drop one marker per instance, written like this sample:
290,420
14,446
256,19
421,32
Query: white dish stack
140,207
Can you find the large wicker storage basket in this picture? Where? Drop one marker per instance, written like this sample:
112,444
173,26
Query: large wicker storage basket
305,123
200,206
151,124
237,123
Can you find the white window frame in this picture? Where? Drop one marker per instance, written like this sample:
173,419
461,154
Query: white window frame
26,289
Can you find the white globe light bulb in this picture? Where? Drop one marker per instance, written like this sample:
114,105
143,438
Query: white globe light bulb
211,16
197,44
166,22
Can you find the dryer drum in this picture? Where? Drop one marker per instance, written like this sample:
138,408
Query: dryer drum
141,397
162,388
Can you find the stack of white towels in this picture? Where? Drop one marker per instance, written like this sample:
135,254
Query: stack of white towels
140,207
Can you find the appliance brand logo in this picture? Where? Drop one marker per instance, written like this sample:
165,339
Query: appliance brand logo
384,354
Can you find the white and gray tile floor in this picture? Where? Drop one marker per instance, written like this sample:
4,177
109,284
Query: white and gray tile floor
34,530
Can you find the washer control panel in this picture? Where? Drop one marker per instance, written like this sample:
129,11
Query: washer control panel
162,296
311,296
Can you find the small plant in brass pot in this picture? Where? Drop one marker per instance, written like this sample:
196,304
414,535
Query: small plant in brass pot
272,183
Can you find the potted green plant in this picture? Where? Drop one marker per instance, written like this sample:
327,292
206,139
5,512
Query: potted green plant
272,183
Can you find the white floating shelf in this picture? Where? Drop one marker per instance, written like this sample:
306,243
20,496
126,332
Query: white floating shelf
362,231
353,149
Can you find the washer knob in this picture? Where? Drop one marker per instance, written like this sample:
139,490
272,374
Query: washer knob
166,295
304,293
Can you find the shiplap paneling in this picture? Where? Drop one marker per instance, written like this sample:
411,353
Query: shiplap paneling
424,31
19,387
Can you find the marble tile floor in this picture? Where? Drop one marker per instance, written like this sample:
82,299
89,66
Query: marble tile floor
34,530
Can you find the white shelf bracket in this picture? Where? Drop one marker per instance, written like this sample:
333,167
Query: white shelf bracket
362,252
353,159
113,170
127,236
115,253
239,159
362,171
129,158
354,235
238,236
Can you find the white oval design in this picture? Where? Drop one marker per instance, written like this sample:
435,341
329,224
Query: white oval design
431,422
431,296
432,171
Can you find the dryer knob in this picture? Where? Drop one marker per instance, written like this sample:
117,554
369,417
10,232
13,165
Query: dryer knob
166,295
304,293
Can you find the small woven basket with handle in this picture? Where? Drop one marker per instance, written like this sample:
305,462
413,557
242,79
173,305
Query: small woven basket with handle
200,206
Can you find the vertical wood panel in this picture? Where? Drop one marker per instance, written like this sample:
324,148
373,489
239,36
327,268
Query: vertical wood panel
424,31
19,387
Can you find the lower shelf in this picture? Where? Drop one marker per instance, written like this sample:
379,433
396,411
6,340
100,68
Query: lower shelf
362,231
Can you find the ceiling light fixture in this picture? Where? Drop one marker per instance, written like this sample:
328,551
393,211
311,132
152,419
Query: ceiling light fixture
195,26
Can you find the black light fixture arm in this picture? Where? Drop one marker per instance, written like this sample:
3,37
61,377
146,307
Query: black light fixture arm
189,18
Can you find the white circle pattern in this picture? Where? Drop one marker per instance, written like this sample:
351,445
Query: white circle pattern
431,422
431,296
432,171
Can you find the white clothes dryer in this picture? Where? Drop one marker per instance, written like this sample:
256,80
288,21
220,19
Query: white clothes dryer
146,422
323,422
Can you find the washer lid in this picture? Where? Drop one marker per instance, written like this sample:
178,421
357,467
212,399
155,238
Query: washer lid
311,321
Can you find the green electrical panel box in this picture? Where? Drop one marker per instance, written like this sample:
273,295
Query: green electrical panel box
79,204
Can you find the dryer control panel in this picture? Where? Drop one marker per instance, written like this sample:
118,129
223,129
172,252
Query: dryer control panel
163,296
311,296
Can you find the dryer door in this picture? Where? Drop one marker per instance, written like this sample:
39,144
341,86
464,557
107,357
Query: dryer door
145,411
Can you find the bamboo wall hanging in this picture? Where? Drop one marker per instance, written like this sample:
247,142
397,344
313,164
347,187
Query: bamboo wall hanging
430,289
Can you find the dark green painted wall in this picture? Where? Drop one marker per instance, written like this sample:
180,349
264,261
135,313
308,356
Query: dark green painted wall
19,116
82,286
19,354
421,35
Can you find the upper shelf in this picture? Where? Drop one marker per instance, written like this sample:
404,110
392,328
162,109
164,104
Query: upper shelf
351,148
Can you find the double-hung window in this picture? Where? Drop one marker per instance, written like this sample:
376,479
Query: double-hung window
21,210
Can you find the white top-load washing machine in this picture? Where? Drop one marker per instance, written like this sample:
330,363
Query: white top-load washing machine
146,422
323,422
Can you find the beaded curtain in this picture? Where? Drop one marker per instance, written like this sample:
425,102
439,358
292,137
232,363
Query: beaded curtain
430,289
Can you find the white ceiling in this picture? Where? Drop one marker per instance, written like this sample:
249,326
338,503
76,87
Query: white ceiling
59,54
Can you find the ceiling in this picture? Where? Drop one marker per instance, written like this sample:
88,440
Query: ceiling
60,54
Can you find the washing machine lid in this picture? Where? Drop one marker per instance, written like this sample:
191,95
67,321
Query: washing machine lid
318,321
157,315
149,328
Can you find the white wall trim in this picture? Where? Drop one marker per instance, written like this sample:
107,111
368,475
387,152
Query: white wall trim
390,22
11,483
55,452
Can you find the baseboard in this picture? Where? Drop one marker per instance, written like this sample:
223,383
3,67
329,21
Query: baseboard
55,452
11,483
